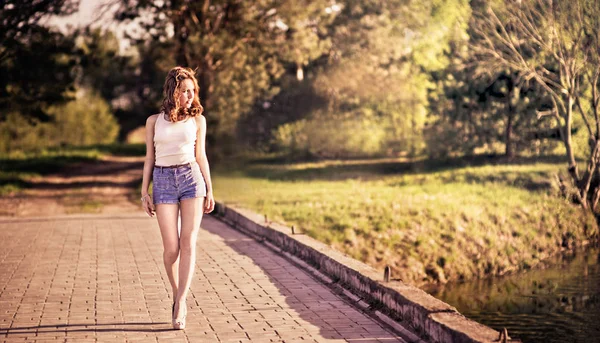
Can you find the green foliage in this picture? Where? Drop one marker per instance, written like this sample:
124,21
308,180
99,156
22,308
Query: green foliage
386,51
374,56
19,133
239,48
144,96
331,137
100,65
478,114
297,100
245,73
35,63
84,121
19,18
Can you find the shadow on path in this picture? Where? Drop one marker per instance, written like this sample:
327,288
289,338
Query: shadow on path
329,314
114,327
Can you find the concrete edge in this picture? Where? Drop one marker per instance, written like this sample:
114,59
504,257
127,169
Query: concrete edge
427,316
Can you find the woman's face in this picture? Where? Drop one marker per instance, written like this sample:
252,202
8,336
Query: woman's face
186,94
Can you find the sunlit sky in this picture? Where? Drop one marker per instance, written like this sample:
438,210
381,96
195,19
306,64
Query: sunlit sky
89,13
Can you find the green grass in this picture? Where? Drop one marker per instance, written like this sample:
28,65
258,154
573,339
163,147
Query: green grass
430,221
16,168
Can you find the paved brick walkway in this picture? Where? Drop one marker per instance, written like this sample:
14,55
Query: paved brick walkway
101,279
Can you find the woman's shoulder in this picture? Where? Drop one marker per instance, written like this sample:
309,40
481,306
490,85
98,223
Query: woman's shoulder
152,119
200,120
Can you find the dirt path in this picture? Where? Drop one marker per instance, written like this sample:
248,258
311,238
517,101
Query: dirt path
108,185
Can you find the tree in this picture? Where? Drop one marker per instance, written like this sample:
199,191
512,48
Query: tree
101,66
555,43
377,73
384,53
478,109
35,63
240,48
481,113
19,19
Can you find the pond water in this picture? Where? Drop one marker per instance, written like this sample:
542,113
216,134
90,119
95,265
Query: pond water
556,304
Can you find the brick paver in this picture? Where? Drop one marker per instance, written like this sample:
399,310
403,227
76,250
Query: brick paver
101,279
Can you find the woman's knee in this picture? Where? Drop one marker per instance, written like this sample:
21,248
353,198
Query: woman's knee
170,254
187,244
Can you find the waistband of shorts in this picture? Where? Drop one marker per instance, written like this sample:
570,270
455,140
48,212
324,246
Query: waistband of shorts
189,164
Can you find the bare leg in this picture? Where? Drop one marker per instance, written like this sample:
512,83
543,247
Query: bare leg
191,216
167,221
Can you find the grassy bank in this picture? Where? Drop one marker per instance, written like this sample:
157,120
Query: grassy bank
18,167
429,221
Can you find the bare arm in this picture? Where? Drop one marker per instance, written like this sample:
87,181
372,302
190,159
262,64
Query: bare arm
148,165
202,160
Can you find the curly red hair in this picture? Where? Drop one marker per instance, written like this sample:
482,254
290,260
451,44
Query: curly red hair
171,89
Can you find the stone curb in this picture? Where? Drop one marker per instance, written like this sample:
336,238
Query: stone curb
427,316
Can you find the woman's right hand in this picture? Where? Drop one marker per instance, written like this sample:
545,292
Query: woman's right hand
147,205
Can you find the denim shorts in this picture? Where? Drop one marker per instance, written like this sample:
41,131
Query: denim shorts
170,185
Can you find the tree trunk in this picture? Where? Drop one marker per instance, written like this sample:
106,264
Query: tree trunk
181,33
205,80
509,152
566,133
596,195
514,95
567,138
590,172
203,84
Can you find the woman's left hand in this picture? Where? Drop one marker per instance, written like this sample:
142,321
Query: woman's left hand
209,202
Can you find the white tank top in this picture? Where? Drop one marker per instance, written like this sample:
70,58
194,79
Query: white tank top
174,142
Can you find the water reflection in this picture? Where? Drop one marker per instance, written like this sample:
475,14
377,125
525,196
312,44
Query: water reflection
558,304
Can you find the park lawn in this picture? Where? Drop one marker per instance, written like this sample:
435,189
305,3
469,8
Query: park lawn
433,223
17,168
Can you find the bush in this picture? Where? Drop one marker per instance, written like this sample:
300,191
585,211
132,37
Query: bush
84,121
18,133
332,137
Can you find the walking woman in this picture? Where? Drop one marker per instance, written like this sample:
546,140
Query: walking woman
176,162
